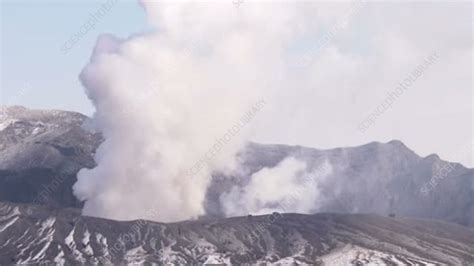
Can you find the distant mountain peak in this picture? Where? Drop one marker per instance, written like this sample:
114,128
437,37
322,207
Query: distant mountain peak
433,157
396,142
377,177
17,111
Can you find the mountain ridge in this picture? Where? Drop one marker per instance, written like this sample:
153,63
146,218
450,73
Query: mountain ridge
40,166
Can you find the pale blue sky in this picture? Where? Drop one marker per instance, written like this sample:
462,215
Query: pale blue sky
34,70
36,73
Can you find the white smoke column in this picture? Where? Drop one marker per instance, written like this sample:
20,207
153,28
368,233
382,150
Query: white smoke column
163,98
287,187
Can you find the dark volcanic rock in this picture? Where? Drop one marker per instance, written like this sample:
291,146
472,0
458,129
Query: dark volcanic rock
41,153
39,186
33,234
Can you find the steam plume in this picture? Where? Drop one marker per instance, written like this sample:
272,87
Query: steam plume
163,98
287,187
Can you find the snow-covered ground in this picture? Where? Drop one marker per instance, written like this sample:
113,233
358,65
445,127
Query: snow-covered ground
34,234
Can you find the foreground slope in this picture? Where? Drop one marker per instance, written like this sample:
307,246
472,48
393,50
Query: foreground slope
32,234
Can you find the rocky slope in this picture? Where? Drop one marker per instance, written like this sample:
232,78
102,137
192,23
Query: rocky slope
378,178
32,234
41,152
45,139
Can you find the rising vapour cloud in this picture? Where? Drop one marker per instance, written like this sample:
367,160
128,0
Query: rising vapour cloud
288,187
162,101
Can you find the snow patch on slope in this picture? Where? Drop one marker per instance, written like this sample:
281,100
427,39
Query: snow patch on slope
354,255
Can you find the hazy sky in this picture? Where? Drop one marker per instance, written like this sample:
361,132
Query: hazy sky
347,73
35,72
